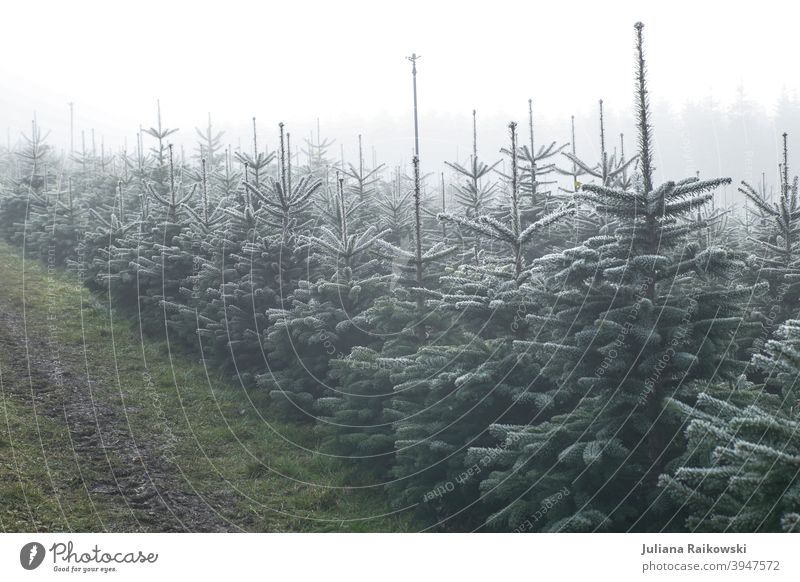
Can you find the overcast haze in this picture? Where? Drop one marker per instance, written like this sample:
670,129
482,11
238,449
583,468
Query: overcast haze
343,62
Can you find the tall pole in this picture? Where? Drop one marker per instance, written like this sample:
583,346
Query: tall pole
71,128
574,177
516,224
474,151
786,189
255,149
474,135
420,330
413,58
533,153
417,190
360,170
444,209
603,155
574,165
282,164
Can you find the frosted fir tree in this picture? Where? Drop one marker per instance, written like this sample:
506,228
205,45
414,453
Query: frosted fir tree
449,392
116,218
82,159
775,242
317,322
631,316
416,269
228,178
474,194
191,311
612,170
362,418
365,416
355,422
399,324
446,397
209,148
416,272
394,208
534,171
160,134
104,255
362,184
142,265
136,166
161,265
287,203
258,162
236,287
353,412
66,229
176,195
444,408
780,362
260,263
575,172
206,212
316,150
40,211
404,319
28,186
752,220
491,289
740,471
513,234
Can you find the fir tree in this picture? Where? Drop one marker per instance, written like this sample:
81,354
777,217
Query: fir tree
475,194
259,161
317,151
160,133
161,264
317,323
610,171
210,145
534,170
363,183
449,392
393,210
741,471
775,239
514,234
630,317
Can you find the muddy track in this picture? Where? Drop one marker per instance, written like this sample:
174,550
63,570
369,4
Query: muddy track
132,473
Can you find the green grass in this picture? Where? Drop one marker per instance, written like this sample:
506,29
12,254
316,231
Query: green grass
220,441
40,489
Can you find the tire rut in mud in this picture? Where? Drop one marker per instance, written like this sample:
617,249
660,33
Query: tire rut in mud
131,473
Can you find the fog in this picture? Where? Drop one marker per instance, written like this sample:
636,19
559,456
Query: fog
720,81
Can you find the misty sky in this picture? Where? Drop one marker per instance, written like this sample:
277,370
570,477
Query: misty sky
343,62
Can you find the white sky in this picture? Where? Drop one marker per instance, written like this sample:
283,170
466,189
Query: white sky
343,60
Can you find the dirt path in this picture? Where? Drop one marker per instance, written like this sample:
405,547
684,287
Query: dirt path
132,474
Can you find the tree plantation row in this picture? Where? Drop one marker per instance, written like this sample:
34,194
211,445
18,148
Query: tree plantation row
497,352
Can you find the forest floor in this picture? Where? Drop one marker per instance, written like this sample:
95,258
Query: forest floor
103,431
